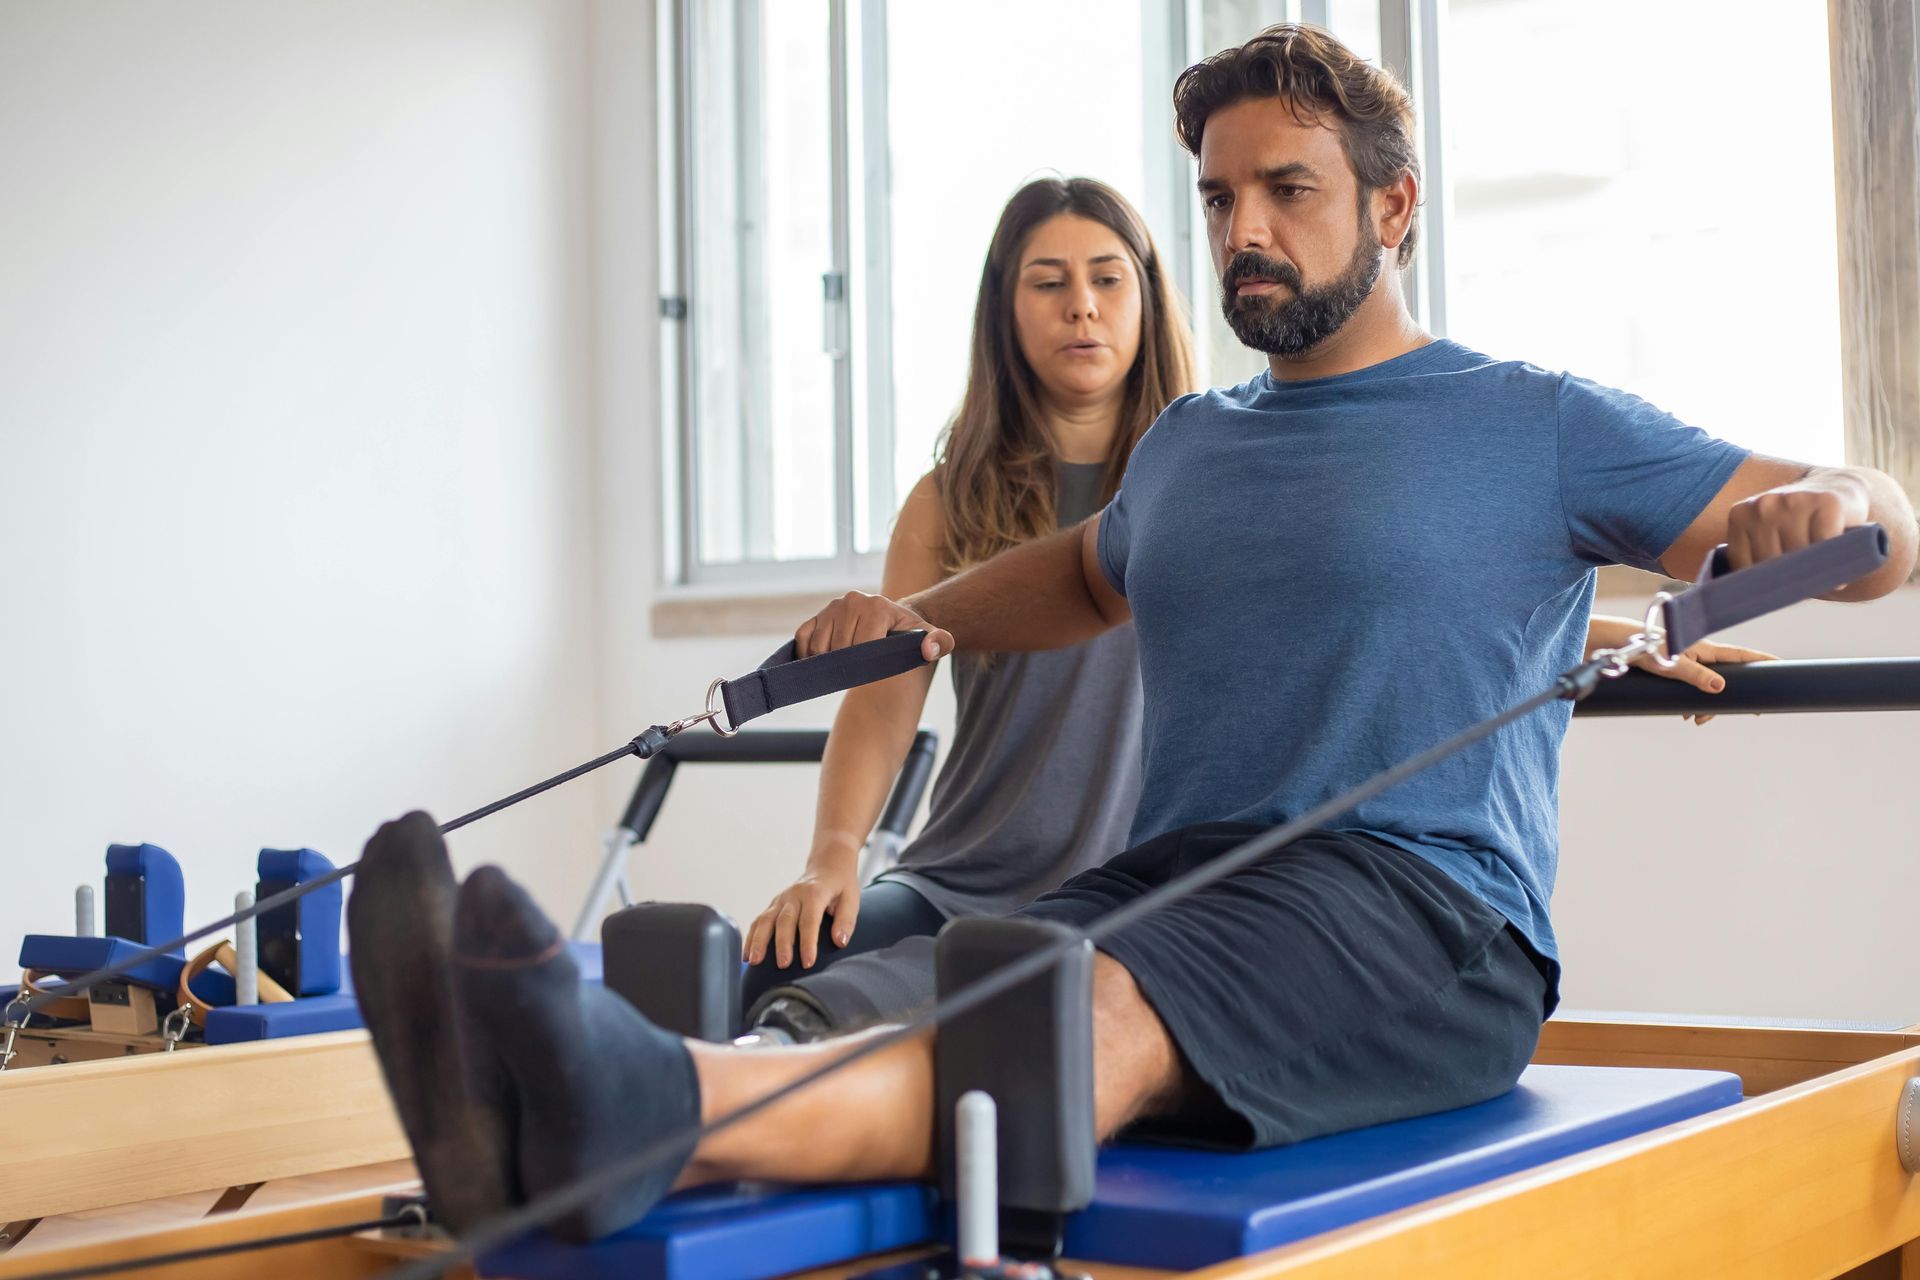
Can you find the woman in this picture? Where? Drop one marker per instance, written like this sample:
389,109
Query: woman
1078,343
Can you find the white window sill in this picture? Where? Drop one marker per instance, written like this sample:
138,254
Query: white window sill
688,612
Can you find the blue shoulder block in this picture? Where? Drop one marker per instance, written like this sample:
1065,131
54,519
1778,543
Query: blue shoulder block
146,899
300,942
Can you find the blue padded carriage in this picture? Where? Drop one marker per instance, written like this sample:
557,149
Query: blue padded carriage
1158,1206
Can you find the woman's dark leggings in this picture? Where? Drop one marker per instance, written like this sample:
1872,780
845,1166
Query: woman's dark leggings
889,911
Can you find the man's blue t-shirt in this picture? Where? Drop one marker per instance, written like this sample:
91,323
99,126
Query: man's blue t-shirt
1329,577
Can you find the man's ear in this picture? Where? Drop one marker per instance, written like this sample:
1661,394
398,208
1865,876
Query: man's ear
1394,206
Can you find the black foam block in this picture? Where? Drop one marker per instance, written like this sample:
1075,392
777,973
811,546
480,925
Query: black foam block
1031,1048
679,964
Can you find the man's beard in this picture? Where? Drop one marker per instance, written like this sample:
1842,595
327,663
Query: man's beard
1292,326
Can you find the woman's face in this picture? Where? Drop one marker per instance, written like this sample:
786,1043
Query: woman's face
1076,309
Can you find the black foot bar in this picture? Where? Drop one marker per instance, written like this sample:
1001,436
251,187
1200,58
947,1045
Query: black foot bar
1767,688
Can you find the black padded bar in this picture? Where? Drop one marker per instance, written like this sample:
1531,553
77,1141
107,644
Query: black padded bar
1031,1048
750,746
678,963
1760,688
649,793
769,746
912,782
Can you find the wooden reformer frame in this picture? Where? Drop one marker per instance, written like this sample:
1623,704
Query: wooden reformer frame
1801,1180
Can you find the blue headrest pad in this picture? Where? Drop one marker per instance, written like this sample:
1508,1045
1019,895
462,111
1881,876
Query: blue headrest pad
295,865
306,1016
1160,1206
72,957
166,897
319,916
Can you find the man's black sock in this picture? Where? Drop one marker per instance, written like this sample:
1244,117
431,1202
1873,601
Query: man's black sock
595,1081
400,930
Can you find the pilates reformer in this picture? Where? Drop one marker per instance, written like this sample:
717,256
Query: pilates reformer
88,1066
280,976
1633,1155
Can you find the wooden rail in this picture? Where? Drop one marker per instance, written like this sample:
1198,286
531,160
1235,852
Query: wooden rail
86,1134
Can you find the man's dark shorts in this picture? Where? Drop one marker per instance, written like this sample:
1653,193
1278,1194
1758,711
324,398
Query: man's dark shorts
1336,983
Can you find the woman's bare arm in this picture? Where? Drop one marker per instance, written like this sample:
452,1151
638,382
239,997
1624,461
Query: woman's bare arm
871,735
1044,594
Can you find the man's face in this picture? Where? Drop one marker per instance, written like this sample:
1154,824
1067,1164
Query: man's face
1295,245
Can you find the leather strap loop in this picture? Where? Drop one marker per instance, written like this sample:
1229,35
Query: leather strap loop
66,1008
222,954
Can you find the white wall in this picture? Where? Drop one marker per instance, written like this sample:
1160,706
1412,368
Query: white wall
295,433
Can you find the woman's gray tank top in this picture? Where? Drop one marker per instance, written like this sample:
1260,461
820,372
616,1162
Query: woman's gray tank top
1044,771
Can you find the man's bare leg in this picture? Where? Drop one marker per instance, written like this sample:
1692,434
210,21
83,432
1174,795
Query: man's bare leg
875,1118
592,1081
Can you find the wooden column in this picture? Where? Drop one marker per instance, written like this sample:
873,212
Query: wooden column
1876,153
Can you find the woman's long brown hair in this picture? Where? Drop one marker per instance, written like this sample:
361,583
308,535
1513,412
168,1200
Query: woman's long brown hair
995,470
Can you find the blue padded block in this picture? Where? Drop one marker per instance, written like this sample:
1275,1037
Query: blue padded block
1167,1207
162,912
1158,1206
317,915
306,1016
744,1232
75,956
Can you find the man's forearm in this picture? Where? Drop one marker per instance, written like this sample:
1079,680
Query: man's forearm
1886,505
1033,596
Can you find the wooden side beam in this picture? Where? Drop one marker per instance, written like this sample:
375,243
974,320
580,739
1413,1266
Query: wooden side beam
1874,45
1802,1183
332,1259
89,1134
1765,1058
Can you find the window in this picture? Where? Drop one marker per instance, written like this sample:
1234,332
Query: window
1081,65
1651,205
840,166
761,381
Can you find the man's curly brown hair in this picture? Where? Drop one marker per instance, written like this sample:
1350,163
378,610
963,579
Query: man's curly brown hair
1320,80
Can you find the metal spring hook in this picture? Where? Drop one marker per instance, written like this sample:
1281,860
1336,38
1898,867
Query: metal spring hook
1650,641
13,1028
174,1029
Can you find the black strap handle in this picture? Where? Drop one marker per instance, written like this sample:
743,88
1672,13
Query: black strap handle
1724,598
785,679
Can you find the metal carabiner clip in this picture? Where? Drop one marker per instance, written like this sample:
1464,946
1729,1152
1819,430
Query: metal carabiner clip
710,717
13,1029
1650,641
174,1029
